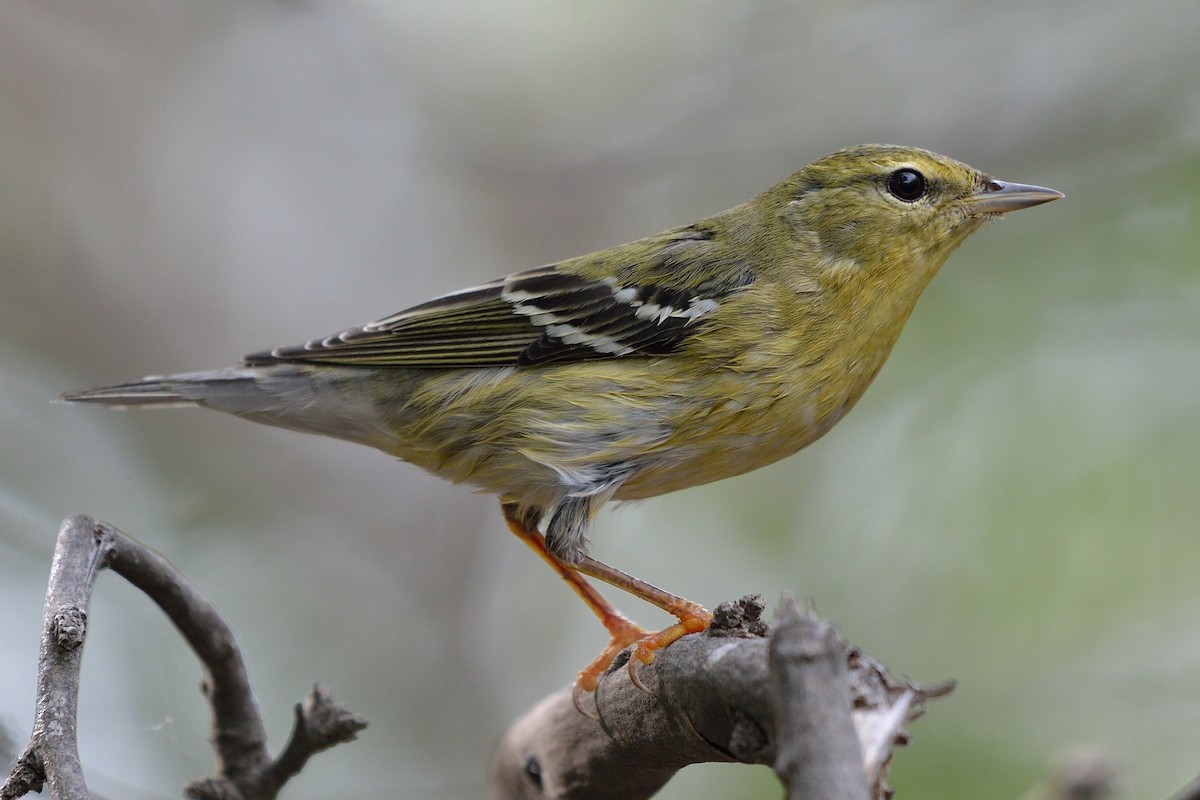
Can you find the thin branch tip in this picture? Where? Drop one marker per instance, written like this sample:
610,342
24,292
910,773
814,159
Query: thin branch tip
326,722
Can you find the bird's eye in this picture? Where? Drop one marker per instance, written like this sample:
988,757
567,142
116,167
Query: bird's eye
907,185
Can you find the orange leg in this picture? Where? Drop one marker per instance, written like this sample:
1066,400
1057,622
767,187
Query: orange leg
623,631
692,617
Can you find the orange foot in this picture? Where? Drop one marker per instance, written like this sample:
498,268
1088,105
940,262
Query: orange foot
693,618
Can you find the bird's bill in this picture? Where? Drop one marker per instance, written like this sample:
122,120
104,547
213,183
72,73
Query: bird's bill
998,197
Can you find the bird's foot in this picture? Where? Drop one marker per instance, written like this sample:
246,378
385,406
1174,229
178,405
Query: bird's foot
692,617
624,632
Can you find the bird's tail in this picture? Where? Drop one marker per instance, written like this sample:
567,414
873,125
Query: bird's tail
332,401
170,391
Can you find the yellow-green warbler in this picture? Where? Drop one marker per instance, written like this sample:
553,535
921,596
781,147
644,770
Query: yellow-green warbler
703,352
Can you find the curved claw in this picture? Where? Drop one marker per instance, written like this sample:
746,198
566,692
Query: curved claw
634,678
588,679
577,693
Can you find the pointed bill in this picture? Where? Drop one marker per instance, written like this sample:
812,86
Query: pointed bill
998,197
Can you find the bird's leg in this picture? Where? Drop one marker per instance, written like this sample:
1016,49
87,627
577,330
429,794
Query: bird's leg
622,630
692,616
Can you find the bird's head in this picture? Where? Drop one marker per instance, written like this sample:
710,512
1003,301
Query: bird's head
893,215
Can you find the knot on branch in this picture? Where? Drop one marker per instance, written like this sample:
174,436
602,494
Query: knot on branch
748,741
70,627
742,618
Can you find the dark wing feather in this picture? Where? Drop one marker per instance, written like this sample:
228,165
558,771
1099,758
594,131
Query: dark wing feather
544,315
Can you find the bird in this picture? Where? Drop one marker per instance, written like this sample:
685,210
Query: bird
700,353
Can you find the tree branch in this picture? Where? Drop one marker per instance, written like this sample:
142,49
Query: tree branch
244,768
817,753
826,716
711,698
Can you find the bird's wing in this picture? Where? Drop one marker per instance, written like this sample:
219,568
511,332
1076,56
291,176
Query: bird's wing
545,315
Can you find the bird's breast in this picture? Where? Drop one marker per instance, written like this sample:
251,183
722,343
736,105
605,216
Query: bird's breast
735,432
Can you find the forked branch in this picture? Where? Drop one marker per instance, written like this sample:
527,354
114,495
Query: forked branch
245,769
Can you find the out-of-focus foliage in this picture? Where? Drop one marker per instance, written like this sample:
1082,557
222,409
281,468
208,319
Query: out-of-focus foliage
1013,504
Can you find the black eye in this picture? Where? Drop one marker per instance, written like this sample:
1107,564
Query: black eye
907,185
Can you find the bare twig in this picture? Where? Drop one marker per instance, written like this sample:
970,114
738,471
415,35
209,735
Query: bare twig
711,699
52,755
244,767
320,724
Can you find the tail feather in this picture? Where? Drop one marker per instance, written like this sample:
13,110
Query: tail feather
324,400
158,391
148,392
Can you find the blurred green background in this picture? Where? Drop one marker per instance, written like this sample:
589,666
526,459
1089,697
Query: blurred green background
1015,503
